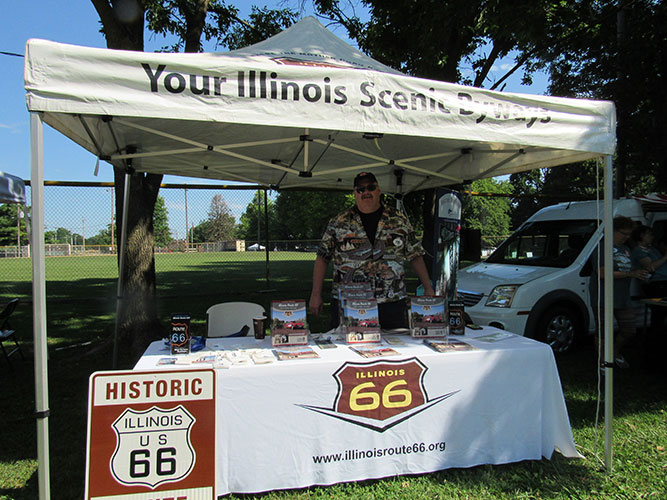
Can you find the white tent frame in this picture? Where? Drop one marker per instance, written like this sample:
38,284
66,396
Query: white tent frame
440,155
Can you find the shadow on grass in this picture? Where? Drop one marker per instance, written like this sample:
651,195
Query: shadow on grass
68,395
81,319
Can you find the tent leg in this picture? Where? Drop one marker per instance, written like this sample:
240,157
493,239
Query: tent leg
39,302
121,262
608,315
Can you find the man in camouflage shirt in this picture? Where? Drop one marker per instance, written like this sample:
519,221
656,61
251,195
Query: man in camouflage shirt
369,243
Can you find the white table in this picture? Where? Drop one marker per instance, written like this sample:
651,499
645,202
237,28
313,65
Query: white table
278,426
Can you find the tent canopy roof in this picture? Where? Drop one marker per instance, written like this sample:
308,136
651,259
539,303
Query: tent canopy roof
301,109
12,189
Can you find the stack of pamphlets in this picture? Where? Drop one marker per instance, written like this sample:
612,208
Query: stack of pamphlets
299,352
354,290
368,351
449,345
495,337
288,322
361,324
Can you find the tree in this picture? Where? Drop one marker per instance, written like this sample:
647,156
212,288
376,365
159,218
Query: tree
615,50
221,225
59,236
304,215
101,238
161,223
488,214
254,216
123,27
525,186
9,222
450,34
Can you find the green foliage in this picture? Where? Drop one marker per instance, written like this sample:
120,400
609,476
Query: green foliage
101,238
9,222
304,215
254,216
263,23
616,51
220,23
220,225
488,214
540,188
161,229
456,40
60,236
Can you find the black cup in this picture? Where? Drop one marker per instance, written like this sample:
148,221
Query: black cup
258,327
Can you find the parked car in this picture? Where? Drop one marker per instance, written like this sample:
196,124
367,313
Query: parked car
536,282
255,247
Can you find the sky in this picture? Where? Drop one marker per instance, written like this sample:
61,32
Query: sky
76,22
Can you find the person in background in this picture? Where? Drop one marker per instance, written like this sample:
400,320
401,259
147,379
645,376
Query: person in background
654,260
369,243
623,273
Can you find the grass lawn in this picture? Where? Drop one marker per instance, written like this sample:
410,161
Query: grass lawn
81,301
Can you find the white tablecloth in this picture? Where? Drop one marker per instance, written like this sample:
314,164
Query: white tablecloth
278,425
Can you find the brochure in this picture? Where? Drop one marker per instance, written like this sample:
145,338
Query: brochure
450,345
361,321
427,314
262,357
301,352
288,322
374,352
288,316
495,337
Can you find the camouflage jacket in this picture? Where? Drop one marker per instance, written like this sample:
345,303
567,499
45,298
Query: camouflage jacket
356,260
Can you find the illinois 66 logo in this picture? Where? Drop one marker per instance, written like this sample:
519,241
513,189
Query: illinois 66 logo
380,394
152,446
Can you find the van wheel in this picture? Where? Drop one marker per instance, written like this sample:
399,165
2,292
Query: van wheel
559,328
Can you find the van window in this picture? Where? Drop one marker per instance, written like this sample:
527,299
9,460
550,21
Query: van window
554,243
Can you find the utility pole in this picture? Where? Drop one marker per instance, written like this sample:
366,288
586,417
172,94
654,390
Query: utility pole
83,233
111,190
259,216
18,231
187,226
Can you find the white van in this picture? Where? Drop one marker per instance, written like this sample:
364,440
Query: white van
536,282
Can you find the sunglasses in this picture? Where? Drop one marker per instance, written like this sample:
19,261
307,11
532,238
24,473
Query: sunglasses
370,188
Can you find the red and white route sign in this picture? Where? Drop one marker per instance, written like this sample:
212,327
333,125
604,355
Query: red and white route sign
151,435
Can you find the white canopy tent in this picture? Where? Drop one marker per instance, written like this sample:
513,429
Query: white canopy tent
302,109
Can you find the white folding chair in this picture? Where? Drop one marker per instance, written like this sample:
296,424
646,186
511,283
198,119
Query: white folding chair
228,318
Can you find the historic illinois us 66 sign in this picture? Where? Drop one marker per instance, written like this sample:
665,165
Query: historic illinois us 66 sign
151,435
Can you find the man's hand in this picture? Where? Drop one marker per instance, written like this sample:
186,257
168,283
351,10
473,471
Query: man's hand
315,304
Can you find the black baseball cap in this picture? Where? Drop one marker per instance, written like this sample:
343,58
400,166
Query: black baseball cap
363,177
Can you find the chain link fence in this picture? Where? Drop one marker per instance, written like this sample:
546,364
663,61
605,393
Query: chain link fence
81,246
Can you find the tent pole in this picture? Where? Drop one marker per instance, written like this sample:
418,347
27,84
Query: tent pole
121,261
608,314
39,302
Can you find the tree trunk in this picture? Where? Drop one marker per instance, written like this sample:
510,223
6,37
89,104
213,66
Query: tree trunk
138,324
137,321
